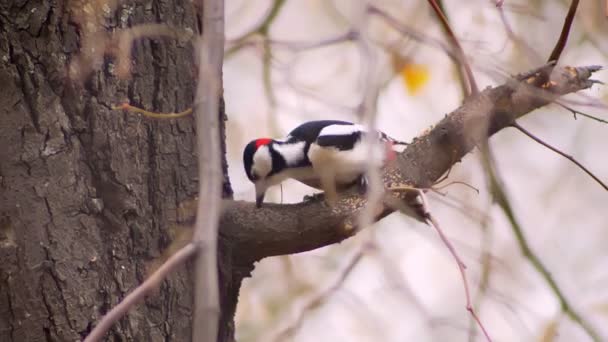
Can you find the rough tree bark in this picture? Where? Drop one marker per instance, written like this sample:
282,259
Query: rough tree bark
87,194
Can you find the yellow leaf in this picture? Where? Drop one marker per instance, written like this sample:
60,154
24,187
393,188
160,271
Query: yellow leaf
414,76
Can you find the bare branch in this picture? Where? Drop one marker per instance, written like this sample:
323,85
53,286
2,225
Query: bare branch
577,112
563,37
319,298
486,268
262,28
414,33
501,198
518,41
140,292
211,54
554,149
431,221
473,89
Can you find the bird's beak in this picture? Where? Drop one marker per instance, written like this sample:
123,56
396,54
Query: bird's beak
260,191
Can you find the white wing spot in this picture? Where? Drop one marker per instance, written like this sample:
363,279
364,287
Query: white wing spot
342,129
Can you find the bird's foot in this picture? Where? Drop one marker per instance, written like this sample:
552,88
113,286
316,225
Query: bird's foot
362,182
313,197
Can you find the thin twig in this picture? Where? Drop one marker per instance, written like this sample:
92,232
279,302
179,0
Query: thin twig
211,54
261,29
563,37
501,198
455,183
154,115
462,76
319,298
140,292
415,34
422,209
531,54
567,156
431,221
577,112
486,266
473,89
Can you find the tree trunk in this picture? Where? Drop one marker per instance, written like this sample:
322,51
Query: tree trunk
88,195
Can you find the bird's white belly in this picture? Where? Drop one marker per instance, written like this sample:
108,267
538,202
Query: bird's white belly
346,166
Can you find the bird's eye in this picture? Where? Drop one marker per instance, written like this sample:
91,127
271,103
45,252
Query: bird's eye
254,176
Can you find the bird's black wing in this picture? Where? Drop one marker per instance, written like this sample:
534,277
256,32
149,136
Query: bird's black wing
342,142
310,131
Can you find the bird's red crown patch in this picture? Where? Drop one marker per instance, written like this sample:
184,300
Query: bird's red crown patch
261,142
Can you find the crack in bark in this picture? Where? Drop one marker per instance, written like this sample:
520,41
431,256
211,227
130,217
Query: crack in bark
52,271
27,90
11,310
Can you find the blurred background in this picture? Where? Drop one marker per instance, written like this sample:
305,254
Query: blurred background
291,61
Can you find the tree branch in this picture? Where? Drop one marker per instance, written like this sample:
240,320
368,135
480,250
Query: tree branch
556,150
206,106
563,37
501,198
153,282
292,228
471,83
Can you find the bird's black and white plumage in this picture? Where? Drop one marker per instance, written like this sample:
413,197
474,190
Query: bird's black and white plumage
325,154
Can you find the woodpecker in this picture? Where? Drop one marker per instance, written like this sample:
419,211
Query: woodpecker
330,155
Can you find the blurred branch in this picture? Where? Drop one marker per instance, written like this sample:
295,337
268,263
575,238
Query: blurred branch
531,54
206,305
472,85
431,221
261,29
486,268
97,44
178,259
567,156
501,198
414,33
563,38
321,297
368,111
462,77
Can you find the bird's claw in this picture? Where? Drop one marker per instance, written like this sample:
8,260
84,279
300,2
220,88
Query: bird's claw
362,183
313,197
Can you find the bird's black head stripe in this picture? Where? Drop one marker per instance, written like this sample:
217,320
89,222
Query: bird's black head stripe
278,162
248,158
